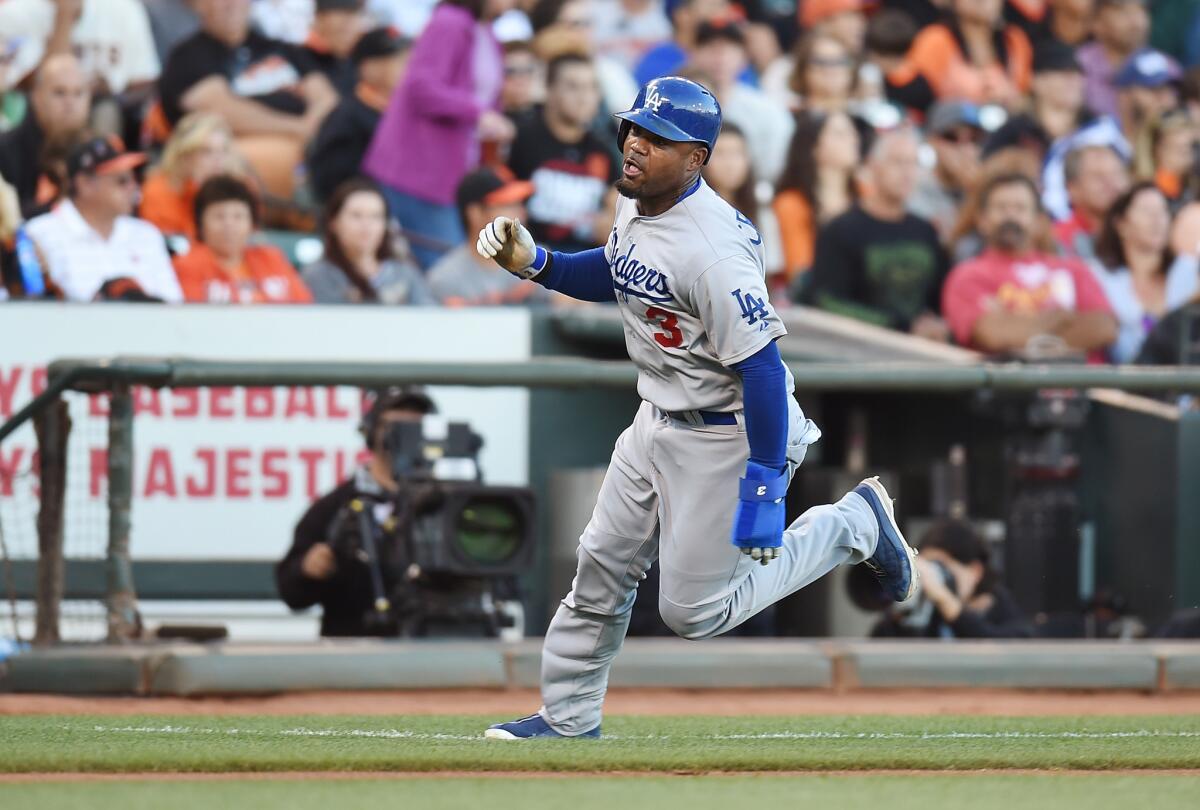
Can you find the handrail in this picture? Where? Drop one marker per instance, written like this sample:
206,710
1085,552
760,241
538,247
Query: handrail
90,374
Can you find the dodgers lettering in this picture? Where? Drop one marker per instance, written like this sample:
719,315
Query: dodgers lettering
629,275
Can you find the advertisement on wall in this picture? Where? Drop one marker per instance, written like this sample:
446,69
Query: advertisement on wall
227,472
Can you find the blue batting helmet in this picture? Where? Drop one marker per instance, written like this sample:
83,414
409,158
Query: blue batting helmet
676,109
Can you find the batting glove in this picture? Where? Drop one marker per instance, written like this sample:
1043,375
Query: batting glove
759,521
510,244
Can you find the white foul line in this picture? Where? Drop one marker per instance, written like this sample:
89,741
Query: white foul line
400,734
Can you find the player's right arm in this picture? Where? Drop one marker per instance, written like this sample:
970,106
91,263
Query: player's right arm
583,275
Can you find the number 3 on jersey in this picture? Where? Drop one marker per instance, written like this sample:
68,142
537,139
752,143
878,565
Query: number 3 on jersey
671,337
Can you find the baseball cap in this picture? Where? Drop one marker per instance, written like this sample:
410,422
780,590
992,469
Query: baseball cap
338,5
101,156
1053,56
492,185
946,115
720,28
1148,68
379,42
814,11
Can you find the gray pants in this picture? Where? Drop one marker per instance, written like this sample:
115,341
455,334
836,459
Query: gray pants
670,494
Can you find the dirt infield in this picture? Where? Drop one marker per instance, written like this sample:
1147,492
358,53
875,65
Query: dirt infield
308,776
717,702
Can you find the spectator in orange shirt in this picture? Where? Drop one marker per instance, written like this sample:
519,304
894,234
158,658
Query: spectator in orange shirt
224,268
199,148
973,56
817,184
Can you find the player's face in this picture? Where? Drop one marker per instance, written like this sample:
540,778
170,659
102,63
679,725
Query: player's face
654,166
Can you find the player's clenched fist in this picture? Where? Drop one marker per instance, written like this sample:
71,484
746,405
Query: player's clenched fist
510,244
759,521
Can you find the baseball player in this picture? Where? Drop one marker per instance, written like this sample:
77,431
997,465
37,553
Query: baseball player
698,480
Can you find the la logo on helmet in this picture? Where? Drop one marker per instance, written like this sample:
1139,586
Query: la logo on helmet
654,100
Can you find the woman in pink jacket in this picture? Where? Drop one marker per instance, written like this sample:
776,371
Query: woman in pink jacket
430,135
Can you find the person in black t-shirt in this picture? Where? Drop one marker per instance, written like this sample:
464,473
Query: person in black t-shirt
270,92
571,168
336,27
337,151
877,262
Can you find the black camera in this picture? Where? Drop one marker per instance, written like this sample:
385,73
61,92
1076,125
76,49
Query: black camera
914,614
444,547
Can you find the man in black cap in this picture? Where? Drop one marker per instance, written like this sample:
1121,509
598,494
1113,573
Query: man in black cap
336,152
462,277
318,568
1057,111
336,28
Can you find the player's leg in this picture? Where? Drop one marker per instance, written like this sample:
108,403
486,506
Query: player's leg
616,548
708,586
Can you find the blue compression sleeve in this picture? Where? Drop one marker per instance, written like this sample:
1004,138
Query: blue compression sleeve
583,276
764,397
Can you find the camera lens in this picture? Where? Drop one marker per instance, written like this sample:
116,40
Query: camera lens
489,531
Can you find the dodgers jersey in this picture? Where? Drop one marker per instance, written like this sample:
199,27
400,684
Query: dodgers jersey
691,287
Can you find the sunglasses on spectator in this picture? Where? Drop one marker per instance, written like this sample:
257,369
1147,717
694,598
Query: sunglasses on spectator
124,179
962,137
830,61
519,70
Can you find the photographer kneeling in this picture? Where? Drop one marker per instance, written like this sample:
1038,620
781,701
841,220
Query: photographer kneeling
960,596
314,571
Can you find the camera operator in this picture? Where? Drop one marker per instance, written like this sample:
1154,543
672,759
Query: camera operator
314,570
960,596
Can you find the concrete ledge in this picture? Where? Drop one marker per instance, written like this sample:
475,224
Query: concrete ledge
231,669
1012,665
725,664
329,665
79,670
1181,670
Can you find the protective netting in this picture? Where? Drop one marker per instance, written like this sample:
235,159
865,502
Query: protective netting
85,520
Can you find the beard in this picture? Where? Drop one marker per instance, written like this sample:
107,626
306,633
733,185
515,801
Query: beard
628,190
1010,236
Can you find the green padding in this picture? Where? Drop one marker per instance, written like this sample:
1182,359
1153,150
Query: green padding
1019,665
330,665
84,673
671,663
162,579
1182,670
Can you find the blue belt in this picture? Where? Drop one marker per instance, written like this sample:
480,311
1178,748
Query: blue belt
708,417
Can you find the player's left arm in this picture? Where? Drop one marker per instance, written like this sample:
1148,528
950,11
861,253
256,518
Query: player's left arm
759,522
731,300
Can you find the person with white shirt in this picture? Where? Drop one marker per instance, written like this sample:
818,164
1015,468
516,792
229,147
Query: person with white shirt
112,39
1142,279
720,55
90,239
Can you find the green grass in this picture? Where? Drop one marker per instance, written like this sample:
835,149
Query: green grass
649,744
1095,792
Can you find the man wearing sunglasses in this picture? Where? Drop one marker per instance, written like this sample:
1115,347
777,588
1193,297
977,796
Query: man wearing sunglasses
90,238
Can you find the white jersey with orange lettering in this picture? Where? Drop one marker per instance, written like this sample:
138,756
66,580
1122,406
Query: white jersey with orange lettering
691,287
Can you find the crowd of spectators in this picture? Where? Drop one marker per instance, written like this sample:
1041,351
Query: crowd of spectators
1008,175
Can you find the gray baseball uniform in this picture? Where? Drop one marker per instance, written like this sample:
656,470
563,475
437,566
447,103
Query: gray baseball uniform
690,286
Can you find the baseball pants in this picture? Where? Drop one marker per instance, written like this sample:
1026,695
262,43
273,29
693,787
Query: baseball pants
670,494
